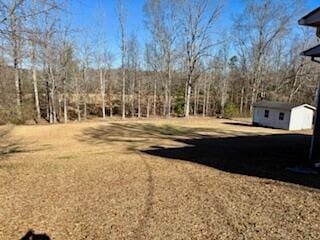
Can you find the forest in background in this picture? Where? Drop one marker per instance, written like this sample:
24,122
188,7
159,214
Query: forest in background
185,67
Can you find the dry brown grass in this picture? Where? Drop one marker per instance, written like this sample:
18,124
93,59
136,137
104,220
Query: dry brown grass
159,179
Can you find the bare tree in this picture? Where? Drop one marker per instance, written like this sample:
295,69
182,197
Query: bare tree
85,60
133,67
122,23
199,19
15,39
261,25
34,40
162,21
44,65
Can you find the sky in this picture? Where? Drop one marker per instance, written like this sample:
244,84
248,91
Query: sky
86,14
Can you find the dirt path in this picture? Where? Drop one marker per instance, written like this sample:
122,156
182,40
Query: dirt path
143,180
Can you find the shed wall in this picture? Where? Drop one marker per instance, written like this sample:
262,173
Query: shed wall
273,119
301,118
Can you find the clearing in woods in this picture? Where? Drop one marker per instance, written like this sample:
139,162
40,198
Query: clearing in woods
157,179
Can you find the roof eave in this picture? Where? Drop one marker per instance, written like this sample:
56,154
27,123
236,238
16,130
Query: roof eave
312,52
303,22
312,19
306,106
275,108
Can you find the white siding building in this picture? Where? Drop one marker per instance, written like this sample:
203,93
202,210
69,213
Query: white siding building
283,115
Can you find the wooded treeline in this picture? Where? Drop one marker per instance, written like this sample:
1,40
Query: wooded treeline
188,66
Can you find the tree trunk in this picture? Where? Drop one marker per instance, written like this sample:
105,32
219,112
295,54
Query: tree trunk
123,93
17,81
85,110
14,39
165,104
189,84
242,100
35,86
78,99
48,100
256,83
110,101
85,96
59,106
148,107
65,107
223,94
132,96
295,87
78,109
139,98
102,91
195,107
208,100
246,101
35,92
53,115
253,97
204,98
169,91
122,15
155,99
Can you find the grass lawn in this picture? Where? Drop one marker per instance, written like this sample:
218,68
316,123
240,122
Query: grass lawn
156,179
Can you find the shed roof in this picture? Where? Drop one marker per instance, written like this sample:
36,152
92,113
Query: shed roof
312,52
280,105
311,19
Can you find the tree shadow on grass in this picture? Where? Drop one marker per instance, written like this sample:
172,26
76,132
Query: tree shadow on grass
133,134
252,154
8,145
243,124
118,131
266,156
11,145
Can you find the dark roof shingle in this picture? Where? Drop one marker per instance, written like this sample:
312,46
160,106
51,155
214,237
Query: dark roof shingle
276,105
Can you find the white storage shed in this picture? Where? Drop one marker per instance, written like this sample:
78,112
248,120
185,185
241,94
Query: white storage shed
283,115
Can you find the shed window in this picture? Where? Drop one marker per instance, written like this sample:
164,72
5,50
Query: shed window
281,116
266,113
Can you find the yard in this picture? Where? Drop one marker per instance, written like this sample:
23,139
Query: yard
159,179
